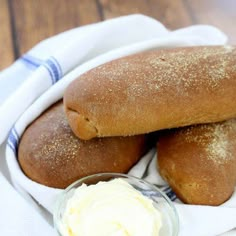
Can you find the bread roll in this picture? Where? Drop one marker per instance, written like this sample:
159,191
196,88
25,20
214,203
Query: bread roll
50,154
154,90
199,162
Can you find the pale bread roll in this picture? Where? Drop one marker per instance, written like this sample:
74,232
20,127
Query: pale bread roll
199,162
154,90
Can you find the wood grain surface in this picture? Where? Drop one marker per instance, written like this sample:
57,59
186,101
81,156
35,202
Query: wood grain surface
162,10
6,42
24,23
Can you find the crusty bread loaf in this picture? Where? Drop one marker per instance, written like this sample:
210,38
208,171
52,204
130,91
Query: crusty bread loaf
154,90
199,162
50,154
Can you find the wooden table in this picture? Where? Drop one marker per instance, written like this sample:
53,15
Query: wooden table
26,22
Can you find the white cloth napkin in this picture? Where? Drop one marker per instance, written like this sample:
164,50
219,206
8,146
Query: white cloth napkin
38,79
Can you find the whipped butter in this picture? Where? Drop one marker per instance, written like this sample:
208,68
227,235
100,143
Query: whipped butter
111,208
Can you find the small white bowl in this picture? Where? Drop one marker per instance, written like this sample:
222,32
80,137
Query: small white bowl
170,220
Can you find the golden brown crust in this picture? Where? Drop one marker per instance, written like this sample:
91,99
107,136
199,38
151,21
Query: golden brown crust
50,154
154,90
199,162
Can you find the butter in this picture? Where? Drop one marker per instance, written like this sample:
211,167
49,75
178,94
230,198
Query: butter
111,208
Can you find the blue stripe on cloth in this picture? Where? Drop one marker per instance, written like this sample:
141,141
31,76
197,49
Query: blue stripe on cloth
13,140
58,66
174,198
169,192
171,195
15,133
12,147
151,193
51,64
29,62
165,188
50,72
